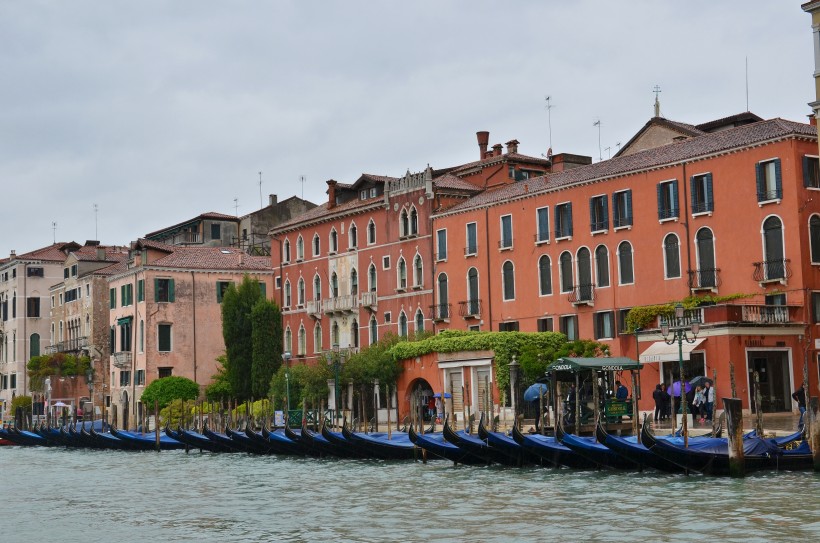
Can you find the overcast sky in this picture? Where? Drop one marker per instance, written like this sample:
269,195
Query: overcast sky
159,111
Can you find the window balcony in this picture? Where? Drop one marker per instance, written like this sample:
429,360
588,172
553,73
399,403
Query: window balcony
370,300
314,309
70,345
772,271
505,244
751,315
470,309
541,237
440,312
341,304
582,294
704,279
121,360
471,250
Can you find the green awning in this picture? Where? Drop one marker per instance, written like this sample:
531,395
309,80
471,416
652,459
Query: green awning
574,365
125,320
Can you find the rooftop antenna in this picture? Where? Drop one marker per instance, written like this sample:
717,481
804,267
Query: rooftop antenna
549,107
618,145
747,83
608,152
236,206
260,190
302,180
96,209
54,231
600,152
657,91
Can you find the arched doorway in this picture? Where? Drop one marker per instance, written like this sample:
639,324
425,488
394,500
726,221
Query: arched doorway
422,403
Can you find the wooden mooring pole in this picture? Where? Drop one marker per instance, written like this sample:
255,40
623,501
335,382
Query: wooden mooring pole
734,428
156,423
758,406
635,414
814,437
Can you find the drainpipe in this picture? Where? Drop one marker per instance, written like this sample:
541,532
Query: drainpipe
133,405
489,280
686,223
193,302
25,333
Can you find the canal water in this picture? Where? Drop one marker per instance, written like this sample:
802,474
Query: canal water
58,495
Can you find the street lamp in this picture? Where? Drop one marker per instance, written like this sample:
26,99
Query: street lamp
336,360
680,327
286,356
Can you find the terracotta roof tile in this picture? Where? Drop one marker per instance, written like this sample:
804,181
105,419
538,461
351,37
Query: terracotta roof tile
517,157
209,215
321,211
54,252
113,253
213,258
450,181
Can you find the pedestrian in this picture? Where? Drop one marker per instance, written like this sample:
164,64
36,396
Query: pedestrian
698,405
621,392
569,408
667,402
660,404
709,396
800,397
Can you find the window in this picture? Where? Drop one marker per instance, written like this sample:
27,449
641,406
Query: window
317,338
164,338
163,290
569,326
165,372
441,244
506,232
112,298
34,345
598,214
775,299
125,378
402,324
601,266
316,244
221,287
418,272
401,271
112,338
353,236
565,271
288,346
814,238
371,277
302,342
371,232
701,189
334,285
472,239
511,326
33,307
811,172
443,308
622,209
404,223
300,292
74,270
374,330
286,251
775,264
472,292
542,223
544,324
563,220
508,278
544,275
625,269
388,317
354,333
815,307
769,183
125,335
141,290
317,288
141,337
385,262
300,248
354,282
584,261
334,242
414,222
705,253
334,334
127,294
287,300
419,321
604,325
34,272
622,315
216,231
671,253
668,200
278,282
65,273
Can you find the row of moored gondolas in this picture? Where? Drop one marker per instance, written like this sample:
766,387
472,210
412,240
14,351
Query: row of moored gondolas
668,453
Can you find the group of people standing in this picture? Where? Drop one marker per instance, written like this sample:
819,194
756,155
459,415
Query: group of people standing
701,404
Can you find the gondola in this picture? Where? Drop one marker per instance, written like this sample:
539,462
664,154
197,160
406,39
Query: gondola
222,439
435,444
306,447
632,449
24,437
506,445
338,439
195,440
710,455
249,443
280,443
378,445
108,440
596,452
476,446
320,444
551,451
147,441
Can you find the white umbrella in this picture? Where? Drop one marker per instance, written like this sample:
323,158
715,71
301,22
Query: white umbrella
60,404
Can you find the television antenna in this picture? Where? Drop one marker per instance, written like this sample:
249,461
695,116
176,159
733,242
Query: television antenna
549,107
96,209
600,152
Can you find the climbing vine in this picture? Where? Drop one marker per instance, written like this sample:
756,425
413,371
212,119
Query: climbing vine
644,316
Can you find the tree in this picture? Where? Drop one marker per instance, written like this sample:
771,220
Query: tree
167,389
237,329
375,362
266,339
220,388
304,383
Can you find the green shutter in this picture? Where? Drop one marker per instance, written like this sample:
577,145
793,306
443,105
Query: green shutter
219,292
761,189
141,290
112,298
263,288
123,295
170,290
156,290
778,179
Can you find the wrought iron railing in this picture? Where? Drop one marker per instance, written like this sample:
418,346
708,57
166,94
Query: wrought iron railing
767,195
623,220
668,213
506,243
599,225
772,270
704,278
470,309
122,360
471,250
582,294
440,312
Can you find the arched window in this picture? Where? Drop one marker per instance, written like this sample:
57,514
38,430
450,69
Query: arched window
401,271
374,330
317,338
443,307
544,275
418,271
286,251
414,221
334,334
671,256
300,248
353,236
142,336
287,293
584,261
371,277
288,340
705,249
402,324
34,345
773,250
334,285
508,279
602,266
300,292
302,340
419,320
472,292
61,331
317,287
404,223
316,244
354,282
354,333
814,238
627,273
565,261
371,232
334,241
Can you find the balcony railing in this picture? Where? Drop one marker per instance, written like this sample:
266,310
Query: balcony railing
751,314
582,294
69,345
340,304
370,300
772,270
314,308
471,250
621,221
769,195
505,243
765,314
121,360
599,225
470,309
706,278
541,237
440,312
189,237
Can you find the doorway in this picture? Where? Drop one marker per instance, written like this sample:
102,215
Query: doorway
775,381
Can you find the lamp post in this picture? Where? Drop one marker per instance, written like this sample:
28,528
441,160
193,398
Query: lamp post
336,360
514,367
286,356
677,329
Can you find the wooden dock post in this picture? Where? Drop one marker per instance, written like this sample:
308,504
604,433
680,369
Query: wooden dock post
577,405
156,423
596,408
732,379
714,404
758,404
734,428
813,412
541,411
387,391
635,414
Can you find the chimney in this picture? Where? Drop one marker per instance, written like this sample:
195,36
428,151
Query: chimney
512,146
497,149
13,254
100,253
273,200
331,194
483,139
812,119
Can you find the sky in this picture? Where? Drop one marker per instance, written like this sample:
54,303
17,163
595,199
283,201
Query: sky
156,112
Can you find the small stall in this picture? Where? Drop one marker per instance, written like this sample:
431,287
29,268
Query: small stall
584,390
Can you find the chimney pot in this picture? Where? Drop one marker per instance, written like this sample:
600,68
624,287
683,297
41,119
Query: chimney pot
512,146
497,149
331,194
812,119
483,138
273,199
100,253
13,254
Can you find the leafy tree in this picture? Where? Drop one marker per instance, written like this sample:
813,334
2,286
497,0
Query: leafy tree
220,388
306,383
23,402
167,389
237,326
58,364
375,362
266,338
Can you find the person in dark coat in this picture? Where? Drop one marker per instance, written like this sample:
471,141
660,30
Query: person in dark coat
667,402
660,403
